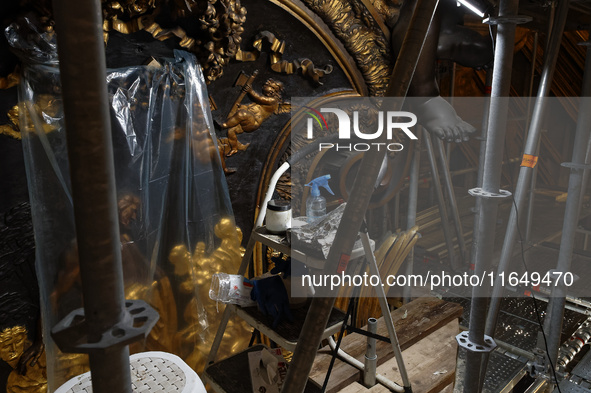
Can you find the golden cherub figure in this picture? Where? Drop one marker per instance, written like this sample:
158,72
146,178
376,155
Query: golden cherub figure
249,117
201,314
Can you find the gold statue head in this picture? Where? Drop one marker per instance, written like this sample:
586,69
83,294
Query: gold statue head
12,344
225,229
181,259
273,88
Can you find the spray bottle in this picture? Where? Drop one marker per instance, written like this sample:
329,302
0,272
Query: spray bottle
316,203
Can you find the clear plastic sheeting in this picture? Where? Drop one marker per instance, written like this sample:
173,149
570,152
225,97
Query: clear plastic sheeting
33,40
175,217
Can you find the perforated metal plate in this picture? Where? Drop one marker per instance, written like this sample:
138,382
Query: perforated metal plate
570,387
583,368
150,372
502,371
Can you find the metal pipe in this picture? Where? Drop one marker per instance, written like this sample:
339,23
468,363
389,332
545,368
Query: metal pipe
539,386
411,217
586,177
317,316
530,210
452,94
484,132
451,255
381,294
484,234
483,137
371,359
553,320
90,152
451,196
525,172
531,199
393,386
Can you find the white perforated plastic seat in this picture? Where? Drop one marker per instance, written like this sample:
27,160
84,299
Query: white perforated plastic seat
150,372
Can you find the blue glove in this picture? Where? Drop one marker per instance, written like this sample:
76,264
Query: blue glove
281,266
271,296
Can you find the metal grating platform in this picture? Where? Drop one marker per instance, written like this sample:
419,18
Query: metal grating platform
567,386
503,372
583,368
517,323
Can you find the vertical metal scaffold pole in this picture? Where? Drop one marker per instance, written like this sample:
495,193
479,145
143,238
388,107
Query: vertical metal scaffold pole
553,321
475,342
353,216
482,138
411,216
525,172
443,159
88,132
451,254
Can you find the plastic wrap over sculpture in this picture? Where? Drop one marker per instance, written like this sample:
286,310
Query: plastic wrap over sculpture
175,217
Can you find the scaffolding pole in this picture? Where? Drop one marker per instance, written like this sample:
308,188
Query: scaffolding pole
451,254
443,159
530,209
482,138
88,135
553,320
353,216
475,342
411,216
525,172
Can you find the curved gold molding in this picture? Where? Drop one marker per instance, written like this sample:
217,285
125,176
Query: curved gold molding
355,26
332,43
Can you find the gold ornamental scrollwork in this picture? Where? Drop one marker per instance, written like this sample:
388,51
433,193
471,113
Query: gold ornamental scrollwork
352,23
215,40
277,47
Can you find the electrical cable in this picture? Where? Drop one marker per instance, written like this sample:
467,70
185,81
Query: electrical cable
536,309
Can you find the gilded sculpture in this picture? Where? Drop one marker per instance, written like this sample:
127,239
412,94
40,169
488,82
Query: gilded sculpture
278,64
33,378
215,40
186,287
249,117
363,38
11,80
193,272
12,129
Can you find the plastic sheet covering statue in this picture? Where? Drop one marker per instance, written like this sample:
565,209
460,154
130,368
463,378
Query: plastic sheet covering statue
176,222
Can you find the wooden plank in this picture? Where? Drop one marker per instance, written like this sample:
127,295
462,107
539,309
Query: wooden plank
448,389
355,387
424,316
430,363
